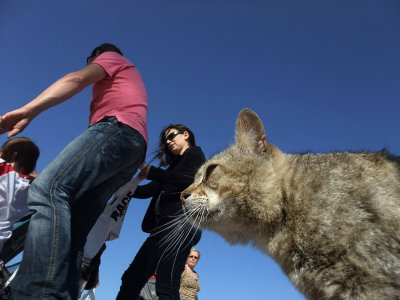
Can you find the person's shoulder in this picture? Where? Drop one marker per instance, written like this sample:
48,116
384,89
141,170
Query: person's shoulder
110,54
195,150
6,169
112,57
194,154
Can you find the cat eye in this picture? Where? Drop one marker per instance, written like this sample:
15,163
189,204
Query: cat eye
172,135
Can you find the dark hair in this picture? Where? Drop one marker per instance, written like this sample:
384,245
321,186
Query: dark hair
106,47
23,152
163,154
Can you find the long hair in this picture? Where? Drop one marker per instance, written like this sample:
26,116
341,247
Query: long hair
163,154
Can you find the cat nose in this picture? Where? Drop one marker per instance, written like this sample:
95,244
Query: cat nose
184,196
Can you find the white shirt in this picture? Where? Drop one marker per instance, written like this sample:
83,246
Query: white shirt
14,188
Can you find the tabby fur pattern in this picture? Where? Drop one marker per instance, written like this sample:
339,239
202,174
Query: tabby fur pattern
331,221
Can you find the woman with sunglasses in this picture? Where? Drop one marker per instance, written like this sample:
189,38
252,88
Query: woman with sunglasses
166,249
190,285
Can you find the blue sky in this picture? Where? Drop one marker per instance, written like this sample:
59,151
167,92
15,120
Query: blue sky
322,75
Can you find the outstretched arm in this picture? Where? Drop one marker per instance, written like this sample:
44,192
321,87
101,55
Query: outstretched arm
63,89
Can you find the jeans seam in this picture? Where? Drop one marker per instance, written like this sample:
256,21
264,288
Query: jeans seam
55,240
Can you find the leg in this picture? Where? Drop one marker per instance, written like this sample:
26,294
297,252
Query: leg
171,266
84,215
102,152
142,267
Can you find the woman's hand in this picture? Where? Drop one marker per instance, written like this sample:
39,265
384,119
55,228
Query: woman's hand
144,171
33,176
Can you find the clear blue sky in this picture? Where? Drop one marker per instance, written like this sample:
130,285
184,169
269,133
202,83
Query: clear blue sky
322,75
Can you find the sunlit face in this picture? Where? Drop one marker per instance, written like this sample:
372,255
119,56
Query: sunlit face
177,141
192,259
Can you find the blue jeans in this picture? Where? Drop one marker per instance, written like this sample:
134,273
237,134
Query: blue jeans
67,198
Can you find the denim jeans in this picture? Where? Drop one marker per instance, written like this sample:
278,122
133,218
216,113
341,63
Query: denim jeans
67,198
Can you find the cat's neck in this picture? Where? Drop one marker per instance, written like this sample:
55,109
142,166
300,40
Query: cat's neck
279,160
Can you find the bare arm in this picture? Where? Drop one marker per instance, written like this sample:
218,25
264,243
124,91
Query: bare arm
63,89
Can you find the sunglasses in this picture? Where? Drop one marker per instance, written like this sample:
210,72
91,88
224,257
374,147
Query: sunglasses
172,135
192,256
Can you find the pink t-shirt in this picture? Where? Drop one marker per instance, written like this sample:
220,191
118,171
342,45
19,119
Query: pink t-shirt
121,94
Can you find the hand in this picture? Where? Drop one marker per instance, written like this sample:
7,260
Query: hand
15,121
144,171
33,176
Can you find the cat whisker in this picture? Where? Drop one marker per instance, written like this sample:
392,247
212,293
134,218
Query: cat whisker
165,226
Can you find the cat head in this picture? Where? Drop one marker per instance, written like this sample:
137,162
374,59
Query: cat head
236,192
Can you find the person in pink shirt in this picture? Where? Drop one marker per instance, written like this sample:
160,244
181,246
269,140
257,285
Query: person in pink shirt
71,192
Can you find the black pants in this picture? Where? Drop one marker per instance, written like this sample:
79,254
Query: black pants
155,257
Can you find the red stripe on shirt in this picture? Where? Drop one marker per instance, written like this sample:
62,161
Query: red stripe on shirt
6,168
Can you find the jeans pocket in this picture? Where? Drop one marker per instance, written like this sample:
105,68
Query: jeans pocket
116,151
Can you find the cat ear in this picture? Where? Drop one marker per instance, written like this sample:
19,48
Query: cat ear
250,133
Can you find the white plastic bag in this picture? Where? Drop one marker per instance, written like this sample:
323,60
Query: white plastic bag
109,224
90,295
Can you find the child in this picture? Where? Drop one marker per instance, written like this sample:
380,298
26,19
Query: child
18,158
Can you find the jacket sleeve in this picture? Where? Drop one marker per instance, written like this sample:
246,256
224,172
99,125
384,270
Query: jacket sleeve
183,174
146,191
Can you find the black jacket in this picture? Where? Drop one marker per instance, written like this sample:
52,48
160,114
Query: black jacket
167,185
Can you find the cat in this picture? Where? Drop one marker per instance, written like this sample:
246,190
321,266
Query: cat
331,221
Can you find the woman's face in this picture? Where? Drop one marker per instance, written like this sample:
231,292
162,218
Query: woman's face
192,259
177,141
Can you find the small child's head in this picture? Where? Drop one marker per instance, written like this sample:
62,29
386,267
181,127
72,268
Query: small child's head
22,153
